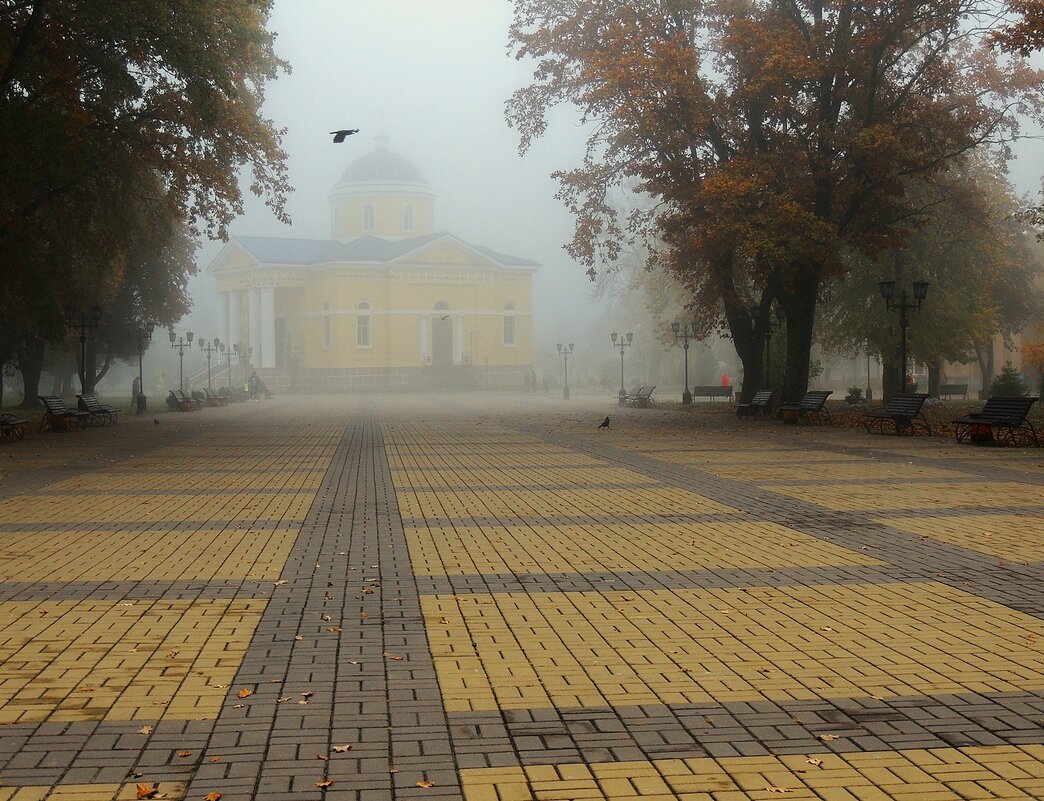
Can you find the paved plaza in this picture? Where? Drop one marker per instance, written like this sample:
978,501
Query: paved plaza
485,598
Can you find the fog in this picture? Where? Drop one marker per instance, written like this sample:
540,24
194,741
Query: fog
433,77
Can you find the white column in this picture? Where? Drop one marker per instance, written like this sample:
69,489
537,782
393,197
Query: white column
425,322
268,343
254,324
460,339
235,314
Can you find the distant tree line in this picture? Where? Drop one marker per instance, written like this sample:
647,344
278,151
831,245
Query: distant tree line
123,127
791,153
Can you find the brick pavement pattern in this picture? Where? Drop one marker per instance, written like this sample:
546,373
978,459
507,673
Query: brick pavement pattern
486,598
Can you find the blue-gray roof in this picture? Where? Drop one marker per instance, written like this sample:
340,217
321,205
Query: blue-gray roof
277,250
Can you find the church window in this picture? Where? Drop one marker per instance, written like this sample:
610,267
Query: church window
326,325
408,223
509,325
362,324
369,221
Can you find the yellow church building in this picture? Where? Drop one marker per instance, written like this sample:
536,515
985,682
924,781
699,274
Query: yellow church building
385,303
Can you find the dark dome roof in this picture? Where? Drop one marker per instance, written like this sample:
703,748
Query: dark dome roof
382,165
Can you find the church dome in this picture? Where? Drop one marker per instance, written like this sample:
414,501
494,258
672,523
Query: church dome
382,171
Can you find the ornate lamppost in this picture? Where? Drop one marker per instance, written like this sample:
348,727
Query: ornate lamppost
210,349
180,345
920,292
143,334
622,341
83,324
685,331
565,351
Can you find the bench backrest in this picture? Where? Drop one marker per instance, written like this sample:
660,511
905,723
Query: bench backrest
1014,408
815,398
763,397
712,390
906,404
645,392
89,402
53,404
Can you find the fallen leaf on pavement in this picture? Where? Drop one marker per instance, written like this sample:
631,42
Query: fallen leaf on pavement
244,693
340,749
335,629
307,694
145,790
212,797
814,761
322,757
280,582
425,783
826,738
393,656
323,785
283,700
146,730
184,754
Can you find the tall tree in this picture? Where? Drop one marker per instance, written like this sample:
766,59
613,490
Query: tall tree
776,135
105,106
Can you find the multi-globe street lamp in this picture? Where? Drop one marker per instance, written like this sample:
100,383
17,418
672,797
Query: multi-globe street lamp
622,341
85,322
209,350
685,332
903,305
180,344
565,351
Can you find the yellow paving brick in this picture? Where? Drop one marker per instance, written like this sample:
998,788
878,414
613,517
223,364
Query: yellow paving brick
1014,537
492,549
918,495
102,660
517,651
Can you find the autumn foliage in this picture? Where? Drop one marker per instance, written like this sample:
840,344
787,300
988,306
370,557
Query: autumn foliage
763,142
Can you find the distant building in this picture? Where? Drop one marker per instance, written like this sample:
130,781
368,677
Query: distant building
387,302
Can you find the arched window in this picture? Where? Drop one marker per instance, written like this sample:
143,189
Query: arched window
509,325
326,325
363,314
408,223
369,218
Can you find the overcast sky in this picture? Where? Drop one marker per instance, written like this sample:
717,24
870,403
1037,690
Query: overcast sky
433,75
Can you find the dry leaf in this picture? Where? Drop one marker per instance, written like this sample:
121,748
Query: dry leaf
826,738
780,790
354,662
393,656
212,797
307,694
327,618
814,761
244,693
172,654
340,749
283,700
323,785
214,759
184,754
146,790
280,582
298,637
363,616
146,730
322,757
238,706
335,629
425,783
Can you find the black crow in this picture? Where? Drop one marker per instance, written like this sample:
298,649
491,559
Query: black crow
340,136
605,423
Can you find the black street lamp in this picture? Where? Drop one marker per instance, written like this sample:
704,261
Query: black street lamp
565,351
143,334
685,331
773,325
84,324
180,345
622,341
920,292
210,349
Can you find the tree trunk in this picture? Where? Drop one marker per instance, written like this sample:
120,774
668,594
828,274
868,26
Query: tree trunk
750,348
799,305
934,377
30,363
987,365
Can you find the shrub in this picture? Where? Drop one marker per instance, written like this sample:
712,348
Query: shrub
1009,383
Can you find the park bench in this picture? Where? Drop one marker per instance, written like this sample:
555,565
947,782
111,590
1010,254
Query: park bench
213,398
1001,420
811,403
98,411
178,401
713,391
641,399
903,411
949,390
58,418
12,427
760,404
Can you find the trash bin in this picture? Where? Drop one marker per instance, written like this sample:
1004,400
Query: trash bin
140,403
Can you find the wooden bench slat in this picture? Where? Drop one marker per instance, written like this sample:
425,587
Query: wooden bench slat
1007,416
903,411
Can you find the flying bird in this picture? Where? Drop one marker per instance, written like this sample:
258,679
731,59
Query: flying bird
444,317
605,423
340,136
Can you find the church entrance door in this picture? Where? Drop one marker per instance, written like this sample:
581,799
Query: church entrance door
442,342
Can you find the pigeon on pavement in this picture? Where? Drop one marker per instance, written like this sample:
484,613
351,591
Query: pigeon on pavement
605,423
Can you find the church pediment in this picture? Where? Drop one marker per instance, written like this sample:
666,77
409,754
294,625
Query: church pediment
446,250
